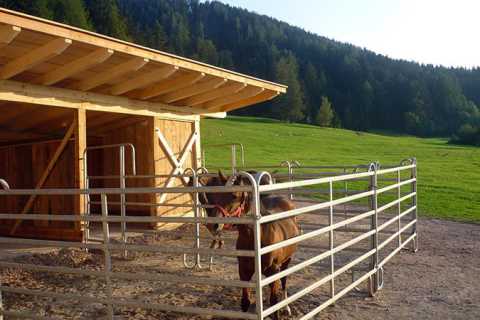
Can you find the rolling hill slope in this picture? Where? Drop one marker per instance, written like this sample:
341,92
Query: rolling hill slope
448,175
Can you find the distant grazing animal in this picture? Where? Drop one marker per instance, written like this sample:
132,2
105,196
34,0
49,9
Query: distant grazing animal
238,204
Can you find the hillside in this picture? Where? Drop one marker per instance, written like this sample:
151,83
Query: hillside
367,91
270,142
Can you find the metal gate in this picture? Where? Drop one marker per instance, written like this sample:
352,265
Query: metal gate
375,237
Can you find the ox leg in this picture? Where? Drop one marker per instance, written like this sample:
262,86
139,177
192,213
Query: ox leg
275,296
284,286
275,291
246,271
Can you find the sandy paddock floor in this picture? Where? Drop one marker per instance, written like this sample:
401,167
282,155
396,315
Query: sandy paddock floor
440,281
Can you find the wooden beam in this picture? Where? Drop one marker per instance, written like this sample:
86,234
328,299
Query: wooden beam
80,145
84,63
62,30
193,90
143,80
45,174
115,124
9,132
101,119
7,34
37,119
243,94
34,57
10,138
212,95
112,73
262,97
9,112
58,97
170,85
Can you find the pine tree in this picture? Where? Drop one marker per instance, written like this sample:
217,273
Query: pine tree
179,35
288,107
106,18
39,8
325,115
71,12
158,38
206,52
314,83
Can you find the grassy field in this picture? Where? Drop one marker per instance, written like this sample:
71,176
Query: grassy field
448,175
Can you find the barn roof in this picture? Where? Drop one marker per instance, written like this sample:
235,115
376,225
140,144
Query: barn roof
58,64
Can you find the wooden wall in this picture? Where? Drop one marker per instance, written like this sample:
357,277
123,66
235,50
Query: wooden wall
177,133
22,167
139,134
151,159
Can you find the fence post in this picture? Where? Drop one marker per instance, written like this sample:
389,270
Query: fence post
234,159
258,246
4,185
196,213
287,164
414,203
1,305
108,258
345,194
373,281
399,207
123,209
331,235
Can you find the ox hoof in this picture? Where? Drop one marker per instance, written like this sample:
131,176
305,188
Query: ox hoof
288,311
245,305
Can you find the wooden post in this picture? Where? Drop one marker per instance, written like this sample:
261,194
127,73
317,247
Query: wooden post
45,174
80,145
156,156
197,150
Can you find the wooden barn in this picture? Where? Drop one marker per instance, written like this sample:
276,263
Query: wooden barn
67,92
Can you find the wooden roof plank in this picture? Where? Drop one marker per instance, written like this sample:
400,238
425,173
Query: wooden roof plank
112,73
193,90
66,98
34,57
60,30
96,57
170,85
214,94
261,97
243,94
143,80
7,34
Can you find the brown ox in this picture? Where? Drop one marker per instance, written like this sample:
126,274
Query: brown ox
238,203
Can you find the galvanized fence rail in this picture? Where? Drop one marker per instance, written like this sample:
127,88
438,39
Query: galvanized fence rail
387,189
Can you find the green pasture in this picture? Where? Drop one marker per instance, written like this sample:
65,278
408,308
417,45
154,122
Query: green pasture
448,175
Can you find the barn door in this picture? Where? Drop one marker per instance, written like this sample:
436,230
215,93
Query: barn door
177,147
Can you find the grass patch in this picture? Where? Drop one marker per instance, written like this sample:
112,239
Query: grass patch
448,175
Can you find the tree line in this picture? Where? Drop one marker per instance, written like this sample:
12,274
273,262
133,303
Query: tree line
330,83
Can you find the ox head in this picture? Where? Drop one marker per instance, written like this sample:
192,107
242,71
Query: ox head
221,204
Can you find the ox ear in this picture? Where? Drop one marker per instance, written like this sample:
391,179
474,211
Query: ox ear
223,178
202,181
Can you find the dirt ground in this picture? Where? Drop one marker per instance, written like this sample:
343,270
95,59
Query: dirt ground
440,281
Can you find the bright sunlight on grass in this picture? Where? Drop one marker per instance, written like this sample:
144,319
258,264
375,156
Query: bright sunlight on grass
448,175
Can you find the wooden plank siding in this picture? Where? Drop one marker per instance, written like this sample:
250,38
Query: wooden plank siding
177,134
22,166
